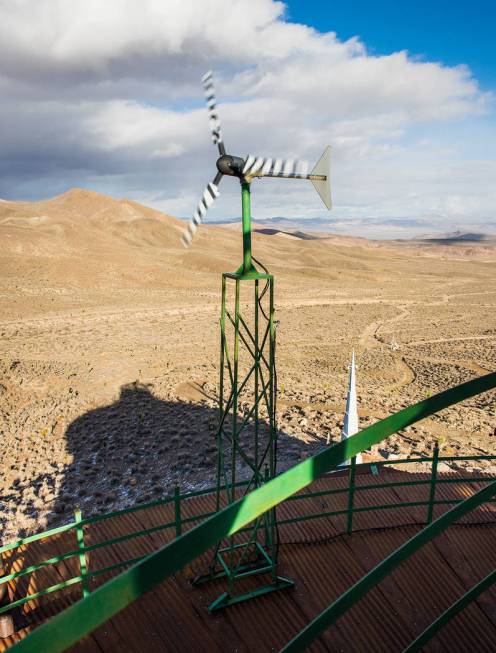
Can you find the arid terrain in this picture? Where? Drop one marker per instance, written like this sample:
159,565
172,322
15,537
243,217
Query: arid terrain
109,349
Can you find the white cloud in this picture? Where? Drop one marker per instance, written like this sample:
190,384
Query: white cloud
108,95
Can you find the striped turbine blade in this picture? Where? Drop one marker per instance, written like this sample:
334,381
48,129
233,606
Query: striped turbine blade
250,160
267,166
213,116
288,168
210,194
277,167
259,163
302,168
261,166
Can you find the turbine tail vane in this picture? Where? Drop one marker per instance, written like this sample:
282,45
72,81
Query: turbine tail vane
320,176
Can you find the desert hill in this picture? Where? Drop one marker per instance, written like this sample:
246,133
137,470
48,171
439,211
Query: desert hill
87,240
91,241
82,226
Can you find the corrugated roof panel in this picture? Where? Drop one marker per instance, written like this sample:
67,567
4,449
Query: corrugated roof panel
318,555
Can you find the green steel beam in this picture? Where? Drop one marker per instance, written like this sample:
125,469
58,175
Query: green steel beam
432,489
82,555
351,495
248,348
83,617
186,520
38,536
161,502
247,269
37,595
246,213
338,608
419,643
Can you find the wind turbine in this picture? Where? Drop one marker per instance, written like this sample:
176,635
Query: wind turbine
246,169
246,434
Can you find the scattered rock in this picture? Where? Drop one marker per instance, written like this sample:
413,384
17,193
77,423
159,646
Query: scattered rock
443,468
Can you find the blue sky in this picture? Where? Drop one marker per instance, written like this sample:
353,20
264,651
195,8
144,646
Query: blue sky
453,32
107,96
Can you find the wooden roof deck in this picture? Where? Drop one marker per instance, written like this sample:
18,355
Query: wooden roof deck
321,559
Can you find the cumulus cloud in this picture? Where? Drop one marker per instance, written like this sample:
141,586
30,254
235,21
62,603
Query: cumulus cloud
107,95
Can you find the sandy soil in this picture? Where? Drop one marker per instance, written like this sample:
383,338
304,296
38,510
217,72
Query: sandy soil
109,349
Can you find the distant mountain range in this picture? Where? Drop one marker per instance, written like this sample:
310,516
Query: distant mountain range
461,237
377,228
87,240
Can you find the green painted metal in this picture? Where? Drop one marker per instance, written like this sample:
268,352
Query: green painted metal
186,520
82,554
384,506
225,600
177,511
351,495
338,608
83,617
432,489
247,364
319,515
247,267
38,536
43,592
70,582
161,502
246,380
467,598
447,458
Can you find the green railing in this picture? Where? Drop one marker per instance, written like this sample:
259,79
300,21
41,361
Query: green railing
178,524
87,614
338,608
78,526
419,643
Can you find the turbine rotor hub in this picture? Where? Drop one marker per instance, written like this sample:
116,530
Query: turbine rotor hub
230,165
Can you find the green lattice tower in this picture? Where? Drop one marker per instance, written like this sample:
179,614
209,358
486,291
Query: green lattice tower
247,433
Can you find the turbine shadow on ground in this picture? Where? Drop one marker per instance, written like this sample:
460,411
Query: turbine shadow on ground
137,450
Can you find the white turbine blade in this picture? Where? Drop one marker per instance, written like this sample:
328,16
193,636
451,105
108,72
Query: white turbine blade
267,166
209,90
277,167
214,189
257,165
302,168
210,194
323,168
288,168
250,160
185,239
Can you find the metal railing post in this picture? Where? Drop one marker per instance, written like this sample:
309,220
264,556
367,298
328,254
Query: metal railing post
351,495
432,487
177,511
82,556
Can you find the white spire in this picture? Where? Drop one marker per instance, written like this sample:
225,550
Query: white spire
350,423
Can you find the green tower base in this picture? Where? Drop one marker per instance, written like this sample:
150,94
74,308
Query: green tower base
246,435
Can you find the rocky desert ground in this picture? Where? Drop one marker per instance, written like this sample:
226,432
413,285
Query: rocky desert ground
109,349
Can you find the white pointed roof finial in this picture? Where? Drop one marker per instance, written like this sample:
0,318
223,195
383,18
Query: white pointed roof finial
350,422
